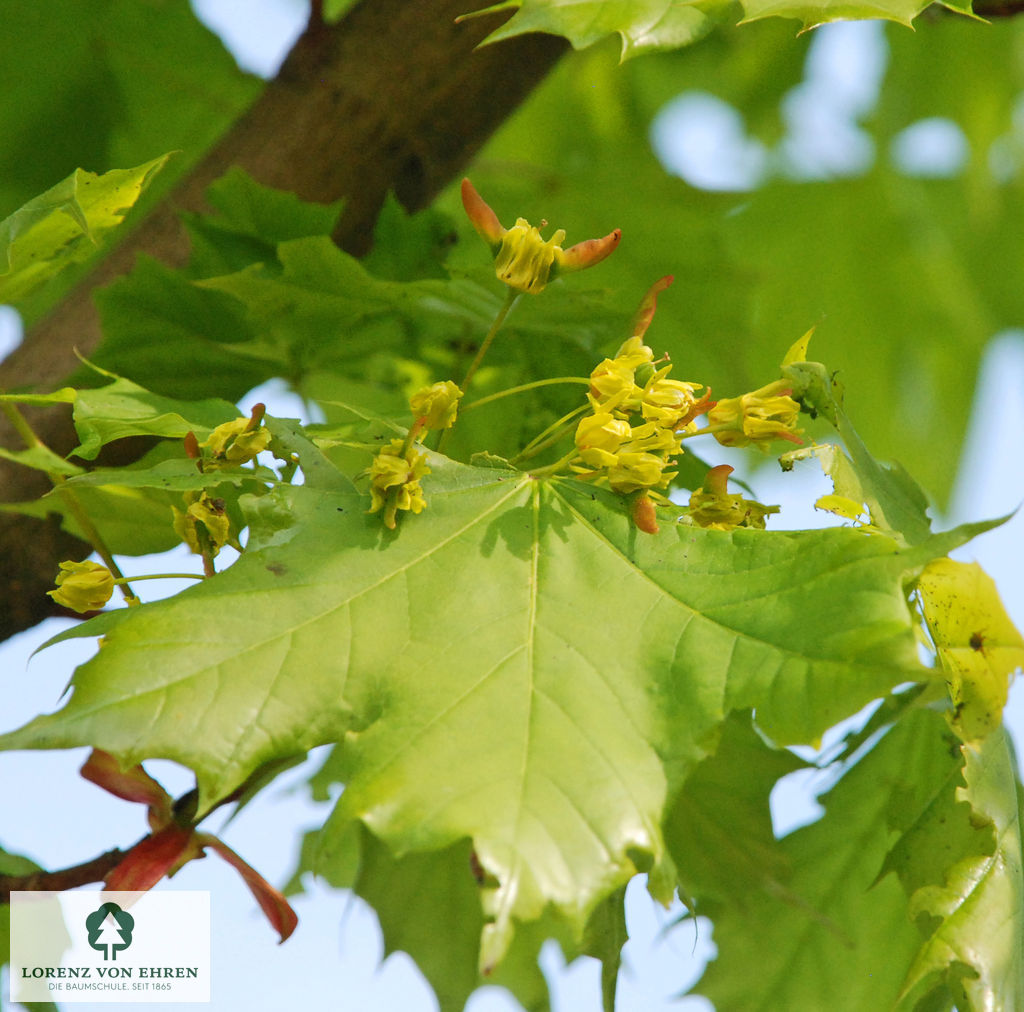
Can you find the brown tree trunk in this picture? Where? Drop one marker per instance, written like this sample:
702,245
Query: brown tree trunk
395,96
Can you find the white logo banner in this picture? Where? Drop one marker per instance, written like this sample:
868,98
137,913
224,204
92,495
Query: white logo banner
110,946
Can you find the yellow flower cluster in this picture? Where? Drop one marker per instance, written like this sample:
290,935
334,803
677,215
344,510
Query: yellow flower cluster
757,418
395,481
396,469
632,434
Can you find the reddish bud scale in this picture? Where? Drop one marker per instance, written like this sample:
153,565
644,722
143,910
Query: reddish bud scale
172,845
589,252
151,859
644,516
191,446
479,212
701,407
256,416
717,480
272,902
133,784
645,312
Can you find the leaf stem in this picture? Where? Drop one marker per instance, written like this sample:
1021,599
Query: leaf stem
554,468
59,482
162,576
205,550
511,297
95,870
522,388
556,430
706,431
21,426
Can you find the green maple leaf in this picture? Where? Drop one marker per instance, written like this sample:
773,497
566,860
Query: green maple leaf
813,14
518,666
950,934
722,850
642,25
652,25
67,224
836,913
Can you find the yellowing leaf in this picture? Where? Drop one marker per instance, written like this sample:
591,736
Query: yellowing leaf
980,648
974,947
848,509
798,349
66,225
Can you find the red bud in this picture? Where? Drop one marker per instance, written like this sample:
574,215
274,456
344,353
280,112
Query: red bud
644,515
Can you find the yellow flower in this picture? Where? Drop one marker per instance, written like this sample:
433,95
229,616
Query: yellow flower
635,470
436,405
653,438
599,436
613,382
758,417
612,386
206,511
668,402
83,586
395,481
248,446
237,441
523,259
633,353
713,507
218,440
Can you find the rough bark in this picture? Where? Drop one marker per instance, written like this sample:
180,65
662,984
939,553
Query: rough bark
395,96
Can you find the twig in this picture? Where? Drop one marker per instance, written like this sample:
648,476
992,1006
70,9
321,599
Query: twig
95,870
1007,9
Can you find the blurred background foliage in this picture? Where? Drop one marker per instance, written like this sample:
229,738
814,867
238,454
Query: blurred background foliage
891,219
907,268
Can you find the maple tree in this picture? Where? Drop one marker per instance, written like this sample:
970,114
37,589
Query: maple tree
552,648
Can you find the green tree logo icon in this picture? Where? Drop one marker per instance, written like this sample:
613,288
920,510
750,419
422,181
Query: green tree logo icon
110,929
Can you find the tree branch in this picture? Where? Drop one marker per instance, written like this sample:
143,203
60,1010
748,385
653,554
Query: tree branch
395,96
95,870
1009,9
